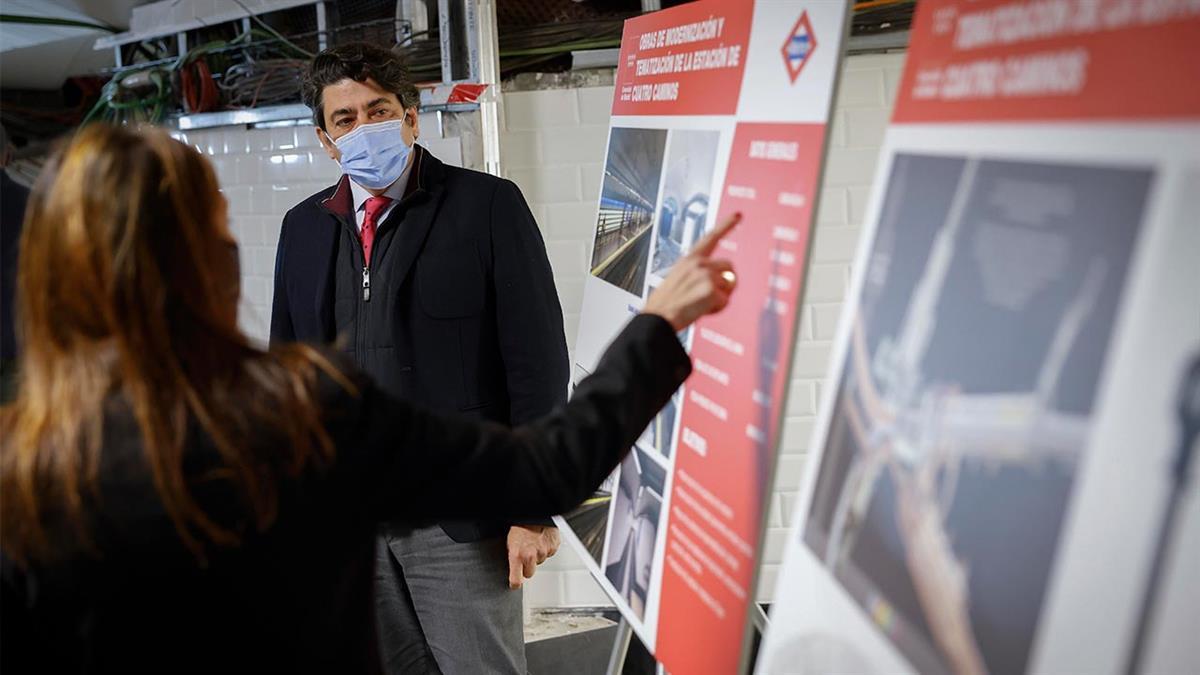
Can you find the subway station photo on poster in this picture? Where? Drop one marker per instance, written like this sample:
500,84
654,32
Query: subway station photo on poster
964,408
628,198
633,533
687,187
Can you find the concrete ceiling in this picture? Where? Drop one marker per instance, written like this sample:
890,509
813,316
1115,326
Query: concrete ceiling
42,57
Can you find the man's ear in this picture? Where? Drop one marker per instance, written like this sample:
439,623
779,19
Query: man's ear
326,142
414,120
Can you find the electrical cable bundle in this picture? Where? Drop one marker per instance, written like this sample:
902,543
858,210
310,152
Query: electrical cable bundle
422,57
254,83
520,46
269,67
134,96
46,114
528,46
196,84
147,91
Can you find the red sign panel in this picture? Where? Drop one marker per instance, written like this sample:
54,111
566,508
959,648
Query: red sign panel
730,413
688,61
1014,60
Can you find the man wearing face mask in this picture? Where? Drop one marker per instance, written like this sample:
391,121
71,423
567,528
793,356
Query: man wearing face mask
435,280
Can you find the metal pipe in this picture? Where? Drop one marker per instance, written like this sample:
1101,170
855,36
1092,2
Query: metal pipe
489,73
322,26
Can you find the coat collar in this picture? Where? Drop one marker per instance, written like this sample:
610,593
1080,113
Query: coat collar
395,192
418,208
425,177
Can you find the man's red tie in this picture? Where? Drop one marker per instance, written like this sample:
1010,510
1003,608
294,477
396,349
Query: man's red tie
374,207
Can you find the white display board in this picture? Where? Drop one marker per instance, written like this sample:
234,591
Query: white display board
997,482
719,108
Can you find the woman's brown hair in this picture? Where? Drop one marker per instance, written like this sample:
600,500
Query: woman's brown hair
127,291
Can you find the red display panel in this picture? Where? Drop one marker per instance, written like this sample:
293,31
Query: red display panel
730,413
688,61
1005,61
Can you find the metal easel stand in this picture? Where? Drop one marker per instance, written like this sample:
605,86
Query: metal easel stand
759,616
1189,439
624,634
616,660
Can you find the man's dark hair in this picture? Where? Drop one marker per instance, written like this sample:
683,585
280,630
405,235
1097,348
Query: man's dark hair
357,61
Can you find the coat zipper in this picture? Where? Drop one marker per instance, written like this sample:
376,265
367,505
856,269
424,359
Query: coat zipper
366,283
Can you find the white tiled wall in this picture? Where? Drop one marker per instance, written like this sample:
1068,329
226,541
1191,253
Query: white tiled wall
263,173
553,148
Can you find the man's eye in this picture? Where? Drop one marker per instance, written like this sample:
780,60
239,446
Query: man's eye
343,123
380,113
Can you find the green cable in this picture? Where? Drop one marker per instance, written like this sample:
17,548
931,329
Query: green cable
272,31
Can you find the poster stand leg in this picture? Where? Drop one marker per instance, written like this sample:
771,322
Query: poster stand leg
616,659
759,616
1189,418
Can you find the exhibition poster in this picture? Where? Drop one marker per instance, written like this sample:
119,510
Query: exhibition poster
1000,475
719,107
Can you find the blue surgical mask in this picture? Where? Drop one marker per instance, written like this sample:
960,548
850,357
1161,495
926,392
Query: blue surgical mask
374,155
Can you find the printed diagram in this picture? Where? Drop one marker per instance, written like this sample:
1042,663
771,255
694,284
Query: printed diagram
632,174
964,407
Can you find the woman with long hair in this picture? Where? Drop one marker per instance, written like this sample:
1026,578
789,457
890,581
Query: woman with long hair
173,497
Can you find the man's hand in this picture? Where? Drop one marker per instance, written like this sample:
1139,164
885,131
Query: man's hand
528,547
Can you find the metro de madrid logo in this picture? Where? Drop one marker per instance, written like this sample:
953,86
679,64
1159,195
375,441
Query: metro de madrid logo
799,46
